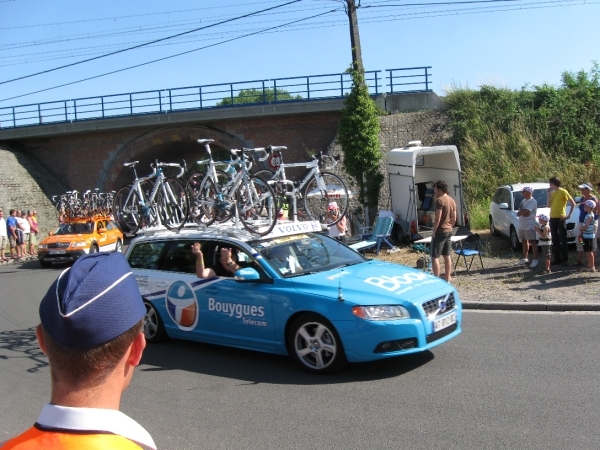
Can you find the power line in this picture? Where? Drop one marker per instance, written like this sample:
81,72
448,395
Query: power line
366,18
130,30
129,16
168,57
148,43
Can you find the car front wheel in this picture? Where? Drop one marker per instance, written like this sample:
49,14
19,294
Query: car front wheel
315,345
515,244
154,330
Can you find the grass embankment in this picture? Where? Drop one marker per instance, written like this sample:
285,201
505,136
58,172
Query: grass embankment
507,136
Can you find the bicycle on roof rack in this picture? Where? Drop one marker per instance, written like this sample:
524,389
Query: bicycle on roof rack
216,196
146,204
317,189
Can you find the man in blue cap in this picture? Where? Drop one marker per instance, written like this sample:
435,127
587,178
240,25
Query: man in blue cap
92,331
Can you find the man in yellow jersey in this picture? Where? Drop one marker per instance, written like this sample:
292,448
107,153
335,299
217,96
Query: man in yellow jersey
91,329
558,199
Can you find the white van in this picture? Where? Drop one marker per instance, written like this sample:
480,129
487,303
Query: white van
412,171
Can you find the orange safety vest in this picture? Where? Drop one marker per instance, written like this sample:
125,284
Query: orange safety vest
35,439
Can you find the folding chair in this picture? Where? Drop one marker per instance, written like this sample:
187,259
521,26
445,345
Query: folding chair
382,230
469,247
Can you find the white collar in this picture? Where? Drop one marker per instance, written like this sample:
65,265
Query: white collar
94,419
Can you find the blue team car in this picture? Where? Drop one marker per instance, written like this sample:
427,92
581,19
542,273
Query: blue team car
295,292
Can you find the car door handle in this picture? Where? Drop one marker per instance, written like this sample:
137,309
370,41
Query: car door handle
211,290
161,284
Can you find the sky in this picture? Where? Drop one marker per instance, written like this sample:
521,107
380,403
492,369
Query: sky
505,43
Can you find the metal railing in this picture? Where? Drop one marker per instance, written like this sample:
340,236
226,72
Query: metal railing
279,90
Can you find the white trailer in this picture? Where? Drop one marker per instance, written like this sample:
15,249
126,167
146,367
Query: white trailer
412,171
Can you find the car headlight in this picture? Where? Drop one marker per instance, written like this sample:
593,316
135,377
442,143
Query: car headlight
79,244
381,312
42,246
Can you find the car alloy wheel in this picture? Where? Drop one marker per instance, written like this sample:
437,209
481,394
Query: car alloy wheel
315,345
154,329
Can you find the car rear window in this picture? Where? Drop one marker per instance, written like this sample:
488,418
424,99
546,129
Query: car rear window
146,255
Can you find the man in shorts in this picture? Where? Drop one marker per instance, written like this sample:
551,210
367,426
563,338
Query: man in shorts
445,218
526,214
13,237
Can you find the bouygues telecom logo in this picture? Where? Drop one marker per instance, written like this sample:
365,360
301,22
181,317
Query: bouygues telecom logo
182,305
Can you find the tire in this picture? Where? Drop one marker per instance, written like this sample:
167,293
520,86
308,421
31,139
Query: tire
399,234
493,230
514,240
119,246
192,190
315,345
265,174
256,204
126,209
175,204
316,199
93,249
45,264
154,329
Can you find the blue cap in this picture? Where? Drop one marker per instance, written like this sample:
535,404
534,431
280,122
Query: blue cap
92,302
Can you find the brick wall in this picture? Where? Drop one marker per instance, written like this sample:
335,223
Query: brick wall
86,161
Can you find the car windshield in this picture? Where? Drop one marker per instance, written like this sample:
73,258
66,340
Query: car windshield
540,195
75,228
306,253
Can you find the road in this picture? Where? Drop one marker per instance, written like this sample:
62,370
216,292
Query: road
510,381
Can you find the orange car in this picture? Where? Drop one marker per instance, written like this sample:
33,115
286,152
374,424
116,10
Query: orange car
79,237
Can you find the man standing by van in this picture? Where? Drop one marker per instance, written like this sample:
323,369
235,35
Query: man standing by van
445,218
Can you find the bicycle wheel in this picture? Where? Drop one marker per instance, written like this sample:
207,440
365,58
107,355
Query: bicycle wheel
323,188
126,209
256,205
175,204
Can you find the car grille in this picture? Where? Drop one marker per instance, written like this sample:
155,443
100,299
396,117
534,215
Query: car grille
431,306
59,245
570,226
440,334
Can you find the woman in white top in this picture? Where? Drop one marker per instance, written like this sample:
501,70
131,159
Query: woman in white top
337,231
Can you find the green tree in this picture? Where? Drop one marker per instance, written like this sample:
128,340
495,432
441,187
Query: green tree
358,135
257,96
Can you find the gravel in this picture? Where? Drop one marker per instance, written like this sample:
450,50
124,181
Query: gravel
502,285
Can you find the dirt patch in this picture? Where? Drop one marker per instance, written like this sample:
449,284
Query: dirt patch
502,281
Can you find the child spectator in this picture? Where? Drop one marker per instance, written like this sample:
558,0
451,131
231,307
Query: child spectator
543,231
588,233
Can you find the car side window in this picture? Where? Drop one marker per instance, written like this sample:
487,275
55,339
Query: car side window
498,197
109,225
146,255
505,196
179,258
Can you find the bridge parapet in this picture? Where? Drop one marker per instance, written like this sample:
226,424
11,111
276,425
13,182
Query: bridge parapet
226,95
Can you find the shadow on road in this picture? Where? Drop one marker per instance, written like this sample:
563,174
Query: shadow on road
22,344
256,367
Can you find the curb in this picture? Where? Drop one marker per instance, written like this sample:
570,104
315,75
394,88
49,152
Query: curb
531,306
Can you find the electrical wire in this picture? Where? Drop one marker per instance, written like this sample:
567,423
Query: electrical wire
147,43
168,57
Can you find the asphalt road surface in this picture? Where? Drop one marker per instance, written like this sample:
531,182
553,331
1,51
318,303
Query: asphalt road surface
510,381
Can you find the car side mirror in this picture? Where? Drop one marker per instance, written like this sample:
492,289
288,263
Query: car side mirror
503,206
250,275
101,230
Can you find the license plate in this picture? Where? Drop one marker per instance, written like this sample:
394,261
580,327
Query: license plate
444,322
570,233
57,252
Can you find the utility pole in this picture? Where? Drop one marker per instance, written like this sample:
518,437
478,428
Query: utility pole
357,63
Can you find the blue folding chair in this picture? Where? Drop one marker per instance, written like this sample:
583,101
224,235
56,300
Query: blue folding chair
382,230
469,247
